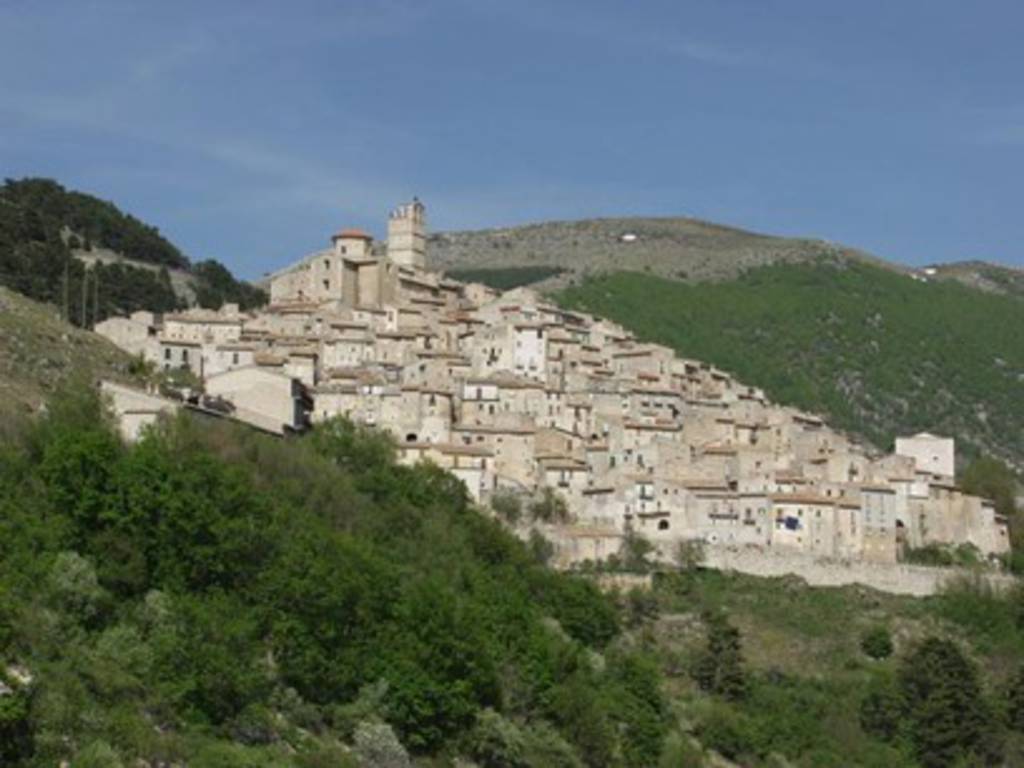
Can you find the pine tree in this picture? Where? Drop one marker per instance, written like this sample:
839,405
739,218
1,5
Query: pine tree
720,668
948,718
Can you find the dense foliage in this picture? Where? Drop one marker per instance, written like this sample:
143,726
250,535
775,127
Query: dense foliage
215,285
219,596
42,224
505,278
98,221
877,352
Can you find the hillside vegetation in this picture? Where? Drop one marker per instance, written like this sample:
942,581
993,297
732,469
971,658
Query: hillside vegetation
217,598
75,251
759,672
678,248
878,353
40,353
505,278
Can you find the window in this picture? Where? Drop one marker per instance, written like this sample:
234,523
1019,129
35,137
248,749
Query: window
167,353
234,358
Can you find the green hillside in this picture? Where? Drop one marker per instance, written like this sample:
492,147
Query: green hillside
504,278
876,352
75,251
217,598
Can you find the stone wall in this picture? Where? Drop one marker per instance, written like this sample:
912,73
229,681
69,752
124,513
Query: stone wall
897,578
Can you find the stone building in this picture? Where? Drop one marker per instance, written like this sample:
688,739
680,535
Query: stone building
510,392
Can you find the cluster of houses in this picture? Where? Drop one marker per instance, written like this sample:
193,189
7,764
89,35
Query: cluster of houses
515,395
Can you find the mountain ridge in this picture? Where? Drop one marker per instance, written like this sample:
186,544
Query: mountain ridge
680,248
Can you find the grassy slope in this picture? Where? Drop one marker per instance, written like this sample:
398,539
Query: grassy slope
679,248
985,276
876,352
38,352
809,676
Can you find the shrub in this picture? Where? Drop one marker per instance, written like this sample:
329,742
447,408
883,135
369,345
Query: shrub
98,754
549,508
496,742
877,643
75,588
377,747
881,711
634,553
507,506
540,548
544,746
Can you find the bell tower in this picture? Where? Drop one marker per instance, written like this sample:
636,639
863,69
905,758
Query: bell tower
407,235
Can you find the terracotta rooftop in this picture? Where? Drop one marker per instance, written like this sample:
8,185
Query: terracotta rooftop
352,234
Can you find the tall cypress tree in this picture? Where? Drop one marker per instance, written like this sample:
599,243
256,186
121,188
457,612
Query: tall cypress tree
720,668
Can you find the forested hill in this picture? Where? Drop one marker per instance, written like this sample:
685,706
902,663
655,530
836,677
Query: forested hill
92,260
877,352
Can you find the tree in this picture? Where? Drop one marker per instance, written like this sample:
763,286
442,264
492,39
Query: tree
549,508
635,552
1015,702
948,718
992,479
720,669
881,711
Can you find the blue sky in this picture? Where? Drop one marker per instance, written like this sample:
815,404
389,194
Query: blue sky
249,131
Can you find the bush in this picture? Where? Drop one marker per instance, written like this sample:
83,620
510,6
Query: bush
496,742
729,733
545,746
98,754
635,552
881,711
507,506
75,588
877,643
549,508
377,747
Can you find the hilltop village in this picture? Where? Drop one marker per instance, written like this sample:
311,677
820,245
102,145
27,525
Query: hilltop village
518,397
